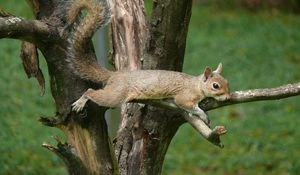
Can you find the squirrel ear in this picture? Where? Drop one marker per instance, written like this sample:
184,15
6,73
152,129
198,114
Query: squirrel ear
207,73
219,69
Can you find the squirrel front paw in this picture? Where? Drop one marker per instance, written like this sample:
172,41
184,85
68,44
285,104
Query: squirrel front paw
220,130
215,135
79,104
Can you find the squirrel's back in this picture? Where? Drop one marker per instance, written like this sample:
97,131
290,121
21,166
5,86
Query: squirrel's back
152,83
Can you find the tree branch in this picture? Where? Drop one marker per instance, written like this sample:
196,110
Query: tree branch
236,97
67,154
29,30
212,135
251,95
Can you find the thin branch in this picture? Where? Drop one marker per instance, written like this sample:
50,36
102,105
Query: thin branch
251,95
29,30
212,135
67,154
50,121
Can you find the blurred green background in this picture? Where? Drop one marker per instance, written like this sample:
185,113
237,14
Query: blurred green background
259,47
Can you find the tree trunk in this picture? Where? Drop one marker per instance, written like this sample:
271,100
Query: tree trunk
145,132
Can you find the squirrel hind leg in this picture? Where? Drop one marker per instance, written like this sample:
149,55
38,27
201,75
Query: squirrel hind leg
102,97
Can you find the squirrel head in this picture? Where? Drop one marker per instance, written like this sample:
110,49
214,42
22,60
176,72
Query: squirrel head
214,84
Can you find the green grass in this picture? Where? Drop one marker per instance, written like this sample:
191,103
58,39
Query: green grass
258,50
21,105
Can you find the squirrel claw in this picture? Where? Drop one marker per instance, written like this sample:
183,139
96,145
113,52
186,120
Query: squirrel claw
220,130
78,105
215,135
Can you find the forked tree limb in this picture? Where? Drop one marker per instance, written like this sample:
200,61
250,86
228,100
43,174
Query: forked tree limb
236,97
212,135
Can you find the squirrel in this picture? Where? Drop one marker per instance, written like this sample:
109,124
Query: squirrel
126,86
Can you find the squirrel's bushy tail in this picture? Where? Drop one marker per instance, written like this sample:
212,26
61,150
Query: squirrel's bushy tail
98,13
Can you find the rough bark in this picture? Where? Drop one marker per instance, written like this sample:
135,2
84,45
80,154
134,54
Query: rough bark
129,32
86,132
145,131
30,61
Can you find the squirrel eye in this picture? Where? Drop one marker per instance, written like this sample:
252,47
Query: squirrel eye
216,86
